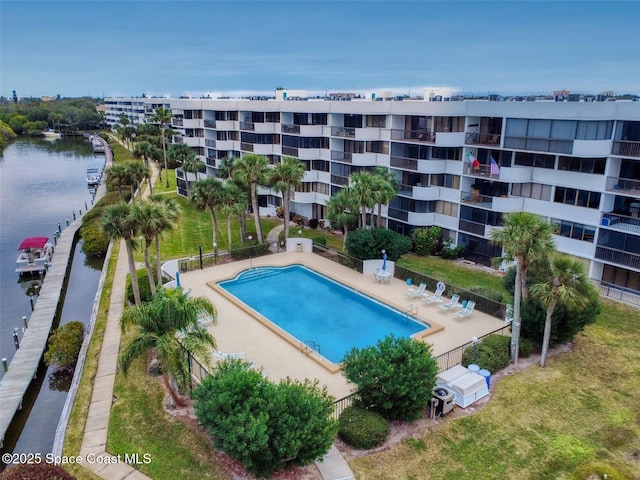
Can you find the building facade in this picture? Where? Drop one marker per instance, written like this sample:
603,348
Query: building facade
460,164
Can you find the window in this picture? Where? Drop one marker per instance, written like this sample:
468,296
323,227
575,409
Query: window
318,119
260,138
580,198
377,147
583,165
320,165
301,119
443,153
594,130
352,121
449,124
447,208
257,117
272,117
537,191
534,160
445,180
379,121
577,231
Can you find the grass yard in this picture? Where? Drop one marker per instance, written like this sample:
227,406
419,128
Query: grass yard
578,416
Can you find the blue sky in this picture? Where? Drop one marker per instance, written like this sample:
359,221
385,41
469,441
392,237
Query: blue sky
115,48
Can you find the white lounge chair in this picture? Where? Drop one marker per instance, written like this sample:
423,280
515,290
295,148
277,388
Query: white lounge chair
466,311
229,356
452,303
416,292
436,297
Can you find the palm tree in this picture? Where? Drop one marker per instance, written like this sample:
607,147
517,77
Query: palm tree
150,220
170,314
234,202
362,187
341,209
285,177
252,170
117,223
136,173
171,215
386,189
163,117
118,177
124,121
209,193
568,284
181,153
525,238
226,171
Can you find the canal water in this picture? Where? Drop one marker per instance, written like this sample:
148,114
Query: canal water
42,184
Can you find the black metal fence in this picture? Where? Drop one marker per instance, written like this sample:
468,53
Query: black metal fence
202,260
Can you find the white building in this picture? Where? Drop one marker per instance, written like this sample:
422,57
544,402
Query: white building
576,163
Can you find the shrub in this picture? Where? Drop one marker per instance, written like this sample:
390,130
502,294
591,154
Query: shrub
36,471
249,251
486,292
394,378
319,240
362,429
143,286
313,223
263,425
369,243
64,346
451,253
94,242
425,240
525,347
95,212
491,353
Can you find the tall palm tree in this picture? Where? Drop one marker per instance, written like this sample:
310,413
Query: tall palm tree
171,215
233,203
170,314
226,171
285,177
362,187
136,173
525,238
252,171
209,193
567,283
150,219
184,155
124,121
118,177
341,210
163,117
386,189
117,223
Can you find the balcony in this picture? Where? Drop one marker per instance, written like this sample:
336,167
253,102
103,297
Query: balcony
472,227
626,149
404,163
290,151
422,136
246,147
209,124
619,257
497,204
628,186
210,143
624,223
177,122
288,128
419,192
344,157
474,138
247,126
343,132
211,162
552,145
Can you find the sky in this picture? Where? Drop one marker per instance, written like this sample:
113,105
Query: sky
128,48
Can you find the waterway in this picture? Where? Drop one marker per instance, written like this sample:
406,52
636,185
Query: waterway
42,184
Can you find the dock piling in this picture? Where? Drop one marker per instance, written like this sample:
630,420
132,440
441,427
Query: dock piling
31,301
67,222
16,342
5,365
59,228
25,321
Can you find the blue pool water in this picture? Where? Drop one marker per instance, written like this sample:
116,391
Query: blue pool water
314,308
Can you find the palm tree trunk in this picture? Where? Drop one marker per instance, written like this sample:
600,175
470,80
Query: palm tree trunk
229,231
132,272
285,205
152,283
158,266
174,396
344,239
523,282
379,215
164,154
547,332
214,221
515,329
256,212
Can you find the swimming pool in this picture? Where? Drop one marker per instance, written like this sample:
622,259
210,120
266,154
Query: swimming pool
314,308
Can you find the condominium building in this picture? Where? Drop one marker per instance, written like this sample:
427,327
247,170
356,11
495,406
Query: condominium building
460,164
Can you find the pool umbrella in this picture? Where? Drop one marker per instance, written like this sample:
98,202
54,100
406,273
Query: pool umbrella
384,260
178,280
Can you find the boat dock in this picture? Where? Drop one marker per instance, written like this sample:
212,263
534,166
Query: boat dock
24,365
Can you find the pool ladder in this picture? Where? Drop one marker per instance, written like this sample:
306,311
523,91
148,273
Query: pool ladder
309,346
411,311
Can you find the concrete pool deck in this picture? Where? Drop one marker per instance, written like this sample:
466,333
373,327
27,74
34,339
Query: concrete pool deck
237,331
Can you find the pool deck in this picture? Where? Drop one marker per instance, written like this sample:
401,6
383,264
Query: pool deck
237,331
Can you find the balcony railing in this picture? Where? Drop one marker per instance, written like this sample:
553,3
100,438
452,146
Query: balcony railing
211,161
210,143
247,147
289,128
423,135
398,214
623,185
250,126
626,259
404,163
290,151
345,157
343,132
177,122
339,180
475,197
474,138
472,227
626,148
210,124
480,171
621,222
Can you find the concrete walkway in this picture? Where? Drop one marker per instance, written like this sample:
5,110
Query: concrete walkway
93,449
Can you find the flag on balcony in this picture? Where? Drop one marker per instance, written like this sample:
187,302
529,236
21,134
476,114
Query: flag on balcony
471,158
494,169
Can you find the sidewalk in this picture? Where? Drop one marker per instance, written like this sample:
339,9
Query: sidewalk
94,442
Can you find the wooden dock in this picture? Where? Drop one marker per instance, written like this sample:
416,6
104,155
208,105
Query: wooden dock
24,365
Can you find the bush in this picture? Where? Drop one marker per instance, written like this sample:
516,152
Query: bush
369,243
491,353
94,242
143,286
319,240
425,240
362,429
395,377
263,425
36,471
451,253
486,292
525,348
313,223
64,346
249,251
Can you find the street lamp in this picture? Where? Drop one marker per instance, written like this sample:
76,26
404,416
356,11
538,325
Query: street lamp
215,253
474,341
